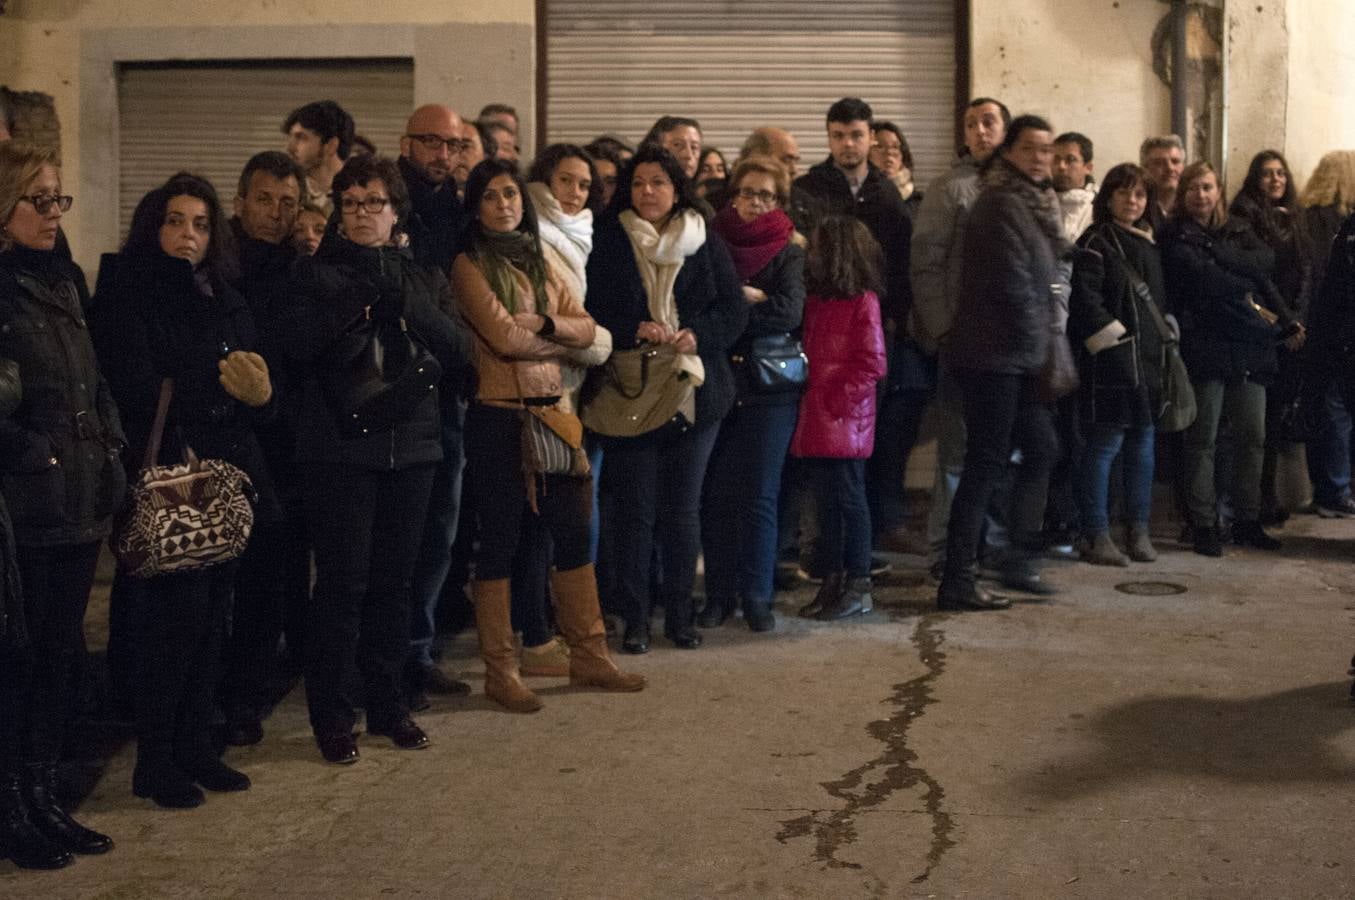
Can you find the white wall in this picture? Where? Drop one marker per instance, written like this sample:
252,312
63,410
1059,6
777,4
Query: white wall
1321,97
1086,65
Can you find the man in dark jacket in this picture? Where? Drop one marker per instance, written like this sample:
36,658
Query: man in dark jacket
432,144
273,587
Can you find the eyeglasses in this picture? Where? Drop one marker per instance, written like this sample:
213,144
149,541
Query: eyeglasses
766,198
43,202
433,142
372,203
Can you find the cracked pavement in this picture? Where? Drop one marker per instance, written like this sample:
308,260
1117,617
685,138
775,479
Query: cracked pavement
1101,745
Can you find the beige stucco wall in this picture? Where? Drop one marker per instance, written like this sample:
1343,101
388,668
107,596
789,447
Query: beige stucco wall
466,53
1321,95
1086,65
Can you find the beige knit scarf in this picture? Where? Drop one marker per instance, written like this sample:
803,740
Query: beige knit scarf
659,257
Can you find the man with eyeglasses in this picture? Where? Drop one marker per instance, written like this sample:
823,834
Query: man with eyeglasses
433,144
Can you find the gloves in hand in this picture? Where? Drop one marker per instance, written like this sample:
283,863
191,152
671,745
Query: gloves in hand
244,375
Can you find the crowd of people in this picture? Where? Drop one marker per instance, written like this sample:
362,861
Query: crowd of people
636,358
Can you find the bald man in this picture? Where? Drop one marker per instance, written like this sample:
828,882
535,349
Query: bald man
432,146
430,149
777,143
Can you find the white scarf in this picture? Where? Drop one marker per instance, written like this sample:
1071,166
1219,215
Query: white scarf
571,236
659,258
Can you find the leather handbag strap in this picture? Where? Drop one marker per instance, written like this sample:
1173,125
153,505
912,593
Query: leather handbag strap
1164,330
158,428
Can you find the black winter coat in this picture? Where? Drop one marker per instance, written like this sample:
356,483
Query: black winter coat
13,634
709,302
1213,276
1332,336
153,321
1005,312
1282,232
1121,385
824,190
329,292
436,220
783,281
59,452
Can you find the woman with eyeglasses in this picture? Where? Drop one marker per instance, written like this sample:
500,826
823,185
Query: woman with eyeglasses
366,493
165,317
62,479
743,480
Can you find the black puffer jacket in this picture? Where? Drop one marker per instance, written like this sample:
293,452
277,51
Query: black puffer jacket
59,453
328,292
152,321
1213,276
824,190
1005,312
709,302
1121,385
1332,343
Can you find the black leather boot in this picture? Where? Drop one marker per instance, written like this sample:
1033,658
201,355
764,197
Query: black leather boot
757,615
960,591
827,595
714,613
54,822
679,623
853,600
20,840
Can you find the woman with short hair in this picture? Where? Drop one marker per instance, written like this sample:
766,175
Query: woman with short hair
743,481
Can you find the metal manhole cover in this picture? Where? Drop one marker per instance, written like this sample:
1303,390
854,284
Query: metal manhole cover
1150,588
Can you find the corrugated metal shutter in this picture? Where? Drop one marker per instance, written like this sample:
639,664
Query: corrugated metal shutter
211,118
617,65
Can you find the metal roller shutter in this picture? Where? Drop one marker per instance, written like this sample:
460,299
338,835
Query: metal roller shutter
211,118
617,65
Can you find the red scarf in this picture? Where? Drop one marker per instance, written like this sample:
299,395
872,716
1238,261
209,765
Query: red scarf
753,244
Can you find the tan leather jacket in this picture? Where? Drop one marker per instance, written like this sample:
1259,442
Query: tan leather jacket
510,361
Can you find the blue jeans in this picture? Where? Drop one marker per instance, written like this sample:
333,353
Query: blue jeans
1102,443
1329,450
739,504
654,485
844,541
439,533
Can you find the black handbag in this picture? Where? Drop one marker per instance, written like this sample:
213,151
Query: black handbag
773,364
376,374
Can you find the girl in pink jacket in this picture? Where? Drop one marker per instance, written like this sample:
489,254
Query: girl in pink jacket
836,431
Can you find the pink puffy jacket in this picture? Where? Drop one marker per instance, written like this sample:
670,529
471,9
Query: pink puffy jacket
846,351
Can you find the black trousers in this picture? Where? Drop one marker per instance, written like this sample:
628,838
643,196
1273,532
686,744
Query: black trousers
274,579
366,527
35,682
1000,411
180,625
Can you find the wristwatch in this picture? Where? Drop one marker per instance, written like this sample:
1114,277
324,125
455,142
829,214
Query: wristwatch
547,327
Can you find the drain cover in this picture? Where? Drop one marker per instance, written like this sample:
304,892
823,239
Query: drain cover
1150,588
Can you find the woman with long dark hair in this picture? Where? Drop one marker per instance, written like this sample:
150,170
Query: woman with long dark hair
656,276
1268,202
61,479
165,313
526,317
1116,275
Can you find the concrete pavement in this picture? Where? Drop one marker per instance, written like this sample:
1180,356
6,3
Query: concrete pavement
1199,744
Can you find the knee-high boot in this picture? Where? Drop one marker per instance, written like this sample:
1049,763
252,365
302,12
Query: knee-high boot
578,613
493,620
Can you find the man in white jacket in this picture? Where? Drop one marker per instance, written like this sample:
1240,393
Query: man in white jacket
1072,177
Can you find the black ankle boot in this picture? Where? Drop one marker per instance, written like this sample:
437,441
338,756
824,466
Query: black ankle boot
20,840
166,784
714,614
827,595
49,818
214,775
854,600
679,624
757,615
960,591
1251,534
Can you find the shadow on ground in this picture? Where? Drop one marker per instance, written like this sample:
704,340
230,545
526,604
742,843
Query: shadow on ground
1282,737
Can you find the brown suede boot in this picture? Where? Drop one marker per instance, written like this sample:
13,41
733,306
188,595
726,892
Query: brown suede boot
580,618
503,684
